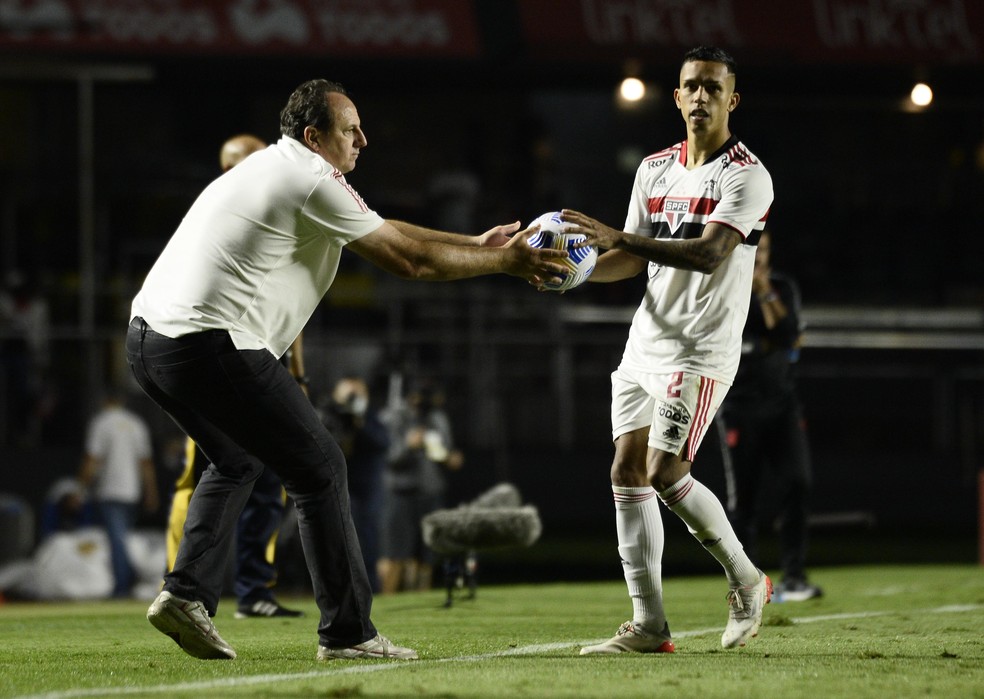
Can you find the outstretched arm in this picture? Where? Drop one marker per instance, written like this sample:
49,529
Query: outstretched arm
412,252
702,254
494,237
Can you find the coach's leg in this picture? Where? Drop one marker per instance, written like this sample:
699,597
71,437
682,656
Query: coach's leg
176,374
272,418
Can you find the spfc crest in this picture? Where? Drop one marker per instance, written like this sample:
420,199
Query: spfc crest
675,209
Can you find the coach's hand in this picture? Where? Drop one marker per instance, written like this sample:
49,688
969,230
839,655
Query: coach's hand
535,265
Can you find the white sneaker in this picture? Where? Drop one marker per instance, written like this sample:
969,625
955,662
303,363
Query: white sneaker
633,638
796,590
745,616
188,625
378,647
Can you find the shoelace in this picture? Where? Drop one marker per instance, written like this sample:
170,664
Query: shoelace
195,611
629,628
737,602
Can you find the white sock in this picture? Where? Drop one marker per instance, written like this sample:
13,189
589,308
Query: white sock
640,544
706,519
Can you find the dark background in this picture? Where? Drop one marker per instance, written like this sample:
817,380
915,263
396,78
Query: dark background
877,215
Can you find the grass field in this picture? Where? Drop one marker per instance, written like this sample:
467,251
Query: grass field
880,631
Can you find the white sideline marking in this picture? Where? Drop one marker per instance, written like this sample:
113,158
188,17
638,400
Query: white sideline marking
400,664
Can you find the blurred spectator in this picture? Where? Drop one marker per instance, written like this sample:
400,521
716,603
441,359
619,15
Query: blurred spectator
765,428
118,470
453,197
422,451
237,148
65,508
355,424
24,338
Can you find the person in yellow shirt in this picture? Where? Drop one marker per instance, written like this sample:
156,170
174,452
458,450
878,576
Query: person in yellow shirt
259,523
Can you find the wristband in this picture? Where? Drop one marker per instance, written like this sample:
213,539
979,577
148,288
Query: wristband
769,297
302,380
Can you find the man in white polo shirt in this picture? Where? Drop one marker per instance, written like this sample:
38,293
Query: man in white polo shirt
232,289
118,470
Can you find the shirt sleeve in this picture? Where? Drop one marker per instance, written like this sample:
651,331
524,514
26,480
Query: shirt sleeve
335,207
746,195
95,443
637,220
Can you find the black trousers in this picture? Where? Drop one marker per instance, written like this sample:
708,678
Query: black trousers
768,442
243,408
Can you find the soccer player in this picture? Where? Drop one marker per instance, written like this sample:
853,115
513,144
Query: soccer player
232,288
694,218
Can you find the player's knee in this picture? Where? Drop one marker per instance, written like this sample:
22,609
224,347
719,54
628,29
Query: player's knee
627,474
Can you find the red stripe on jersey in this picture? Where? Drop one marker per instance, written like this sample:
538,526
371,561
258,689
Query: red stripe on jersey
348,188
699,206
741,157
668,151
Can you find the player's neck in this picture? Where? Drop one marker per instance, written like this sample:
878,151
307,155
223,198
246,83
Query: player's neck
700,146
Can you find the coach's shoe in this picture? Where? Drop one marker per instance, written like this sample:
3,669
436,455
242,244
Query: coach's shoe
745,616
378,647
266,609
189,625
633,638
796,590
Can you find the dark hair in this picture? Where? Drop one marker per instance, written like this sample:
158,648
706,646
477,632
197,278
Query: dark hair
712,54
308,106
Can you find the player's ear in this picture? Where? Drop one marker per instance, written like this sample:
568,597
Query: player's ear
735,99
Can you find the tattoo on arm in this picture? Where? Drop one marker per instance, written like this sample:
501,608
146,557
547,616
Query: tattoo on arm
699,255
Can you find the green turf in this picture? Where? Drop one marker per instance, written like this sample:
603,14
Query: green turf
905,631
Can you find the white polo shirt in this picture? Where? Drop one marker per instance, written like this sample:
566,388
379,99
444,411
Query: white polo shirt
689,321
257,251
120,440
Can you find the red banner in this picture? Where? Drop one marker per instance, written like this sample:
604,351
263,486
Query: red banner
351,28
814,32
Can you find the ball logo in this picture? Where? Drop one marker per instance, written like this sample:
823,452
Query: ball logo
580,260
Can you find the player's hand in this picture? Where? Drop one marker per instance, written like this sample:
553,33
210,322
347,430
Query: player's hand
595,232
536,265
498,236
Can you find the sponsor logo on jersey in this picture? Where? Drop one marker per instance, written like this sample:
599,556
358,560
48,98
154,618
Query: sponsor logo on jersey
672,413
675,209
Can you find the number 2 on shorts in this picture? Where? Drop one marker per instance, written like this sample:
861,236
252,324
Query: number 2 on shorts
673,389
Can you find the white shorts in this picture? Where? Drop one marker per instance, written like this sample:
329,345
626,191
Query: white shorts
677,408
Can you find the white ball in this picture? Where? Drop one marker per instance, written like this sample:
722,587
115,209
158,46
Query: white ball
552,234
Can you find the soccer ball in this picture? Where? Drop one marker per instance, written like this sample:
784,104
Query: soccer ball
580,260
